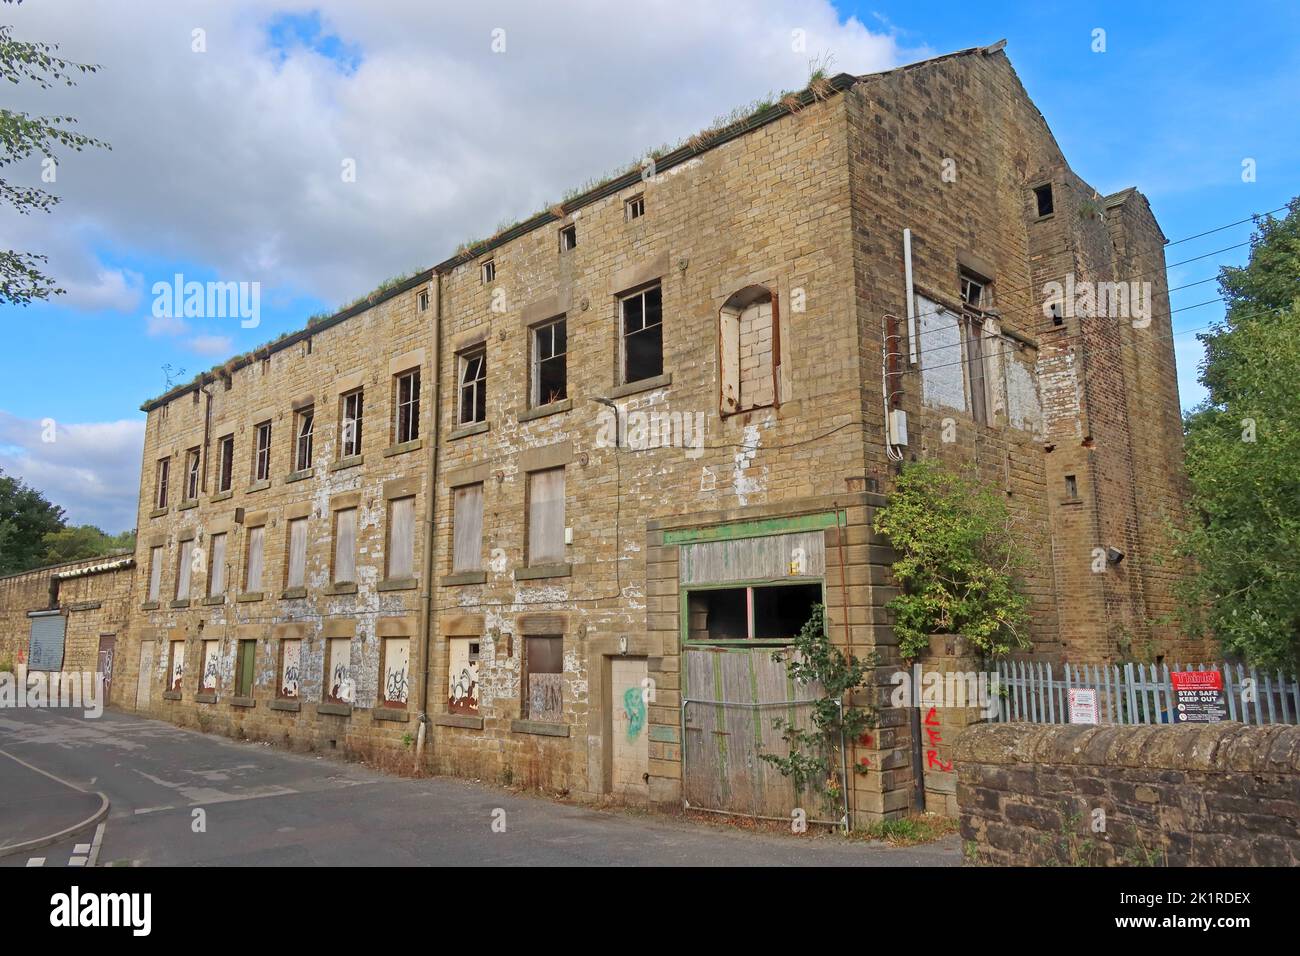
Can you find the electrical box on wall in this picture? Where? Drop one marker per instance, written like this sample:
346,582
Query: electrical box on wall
897,426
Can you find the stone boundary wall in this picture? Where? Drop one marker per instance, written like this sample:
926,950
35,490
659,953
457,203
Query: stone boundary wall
1213,795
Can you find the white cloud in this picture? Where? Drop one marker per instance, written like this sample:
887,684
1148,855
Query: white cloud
231,158
157,325
115,289
211,344
91,470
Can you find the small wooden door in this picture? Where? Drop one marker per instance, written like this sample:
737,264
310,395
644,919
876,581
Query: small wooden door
628,728
107,647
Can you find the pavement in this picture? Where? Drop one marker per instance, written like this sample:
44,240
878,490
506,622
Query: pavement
183,798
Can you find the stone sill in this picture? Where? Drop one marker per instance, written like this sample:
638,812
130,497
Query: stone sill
478,428
466,721
464,577
643,385
85,605
350,462
181,602
415,444
293,594
171,695
242,702
158,512
384,712
215,599
187,505
299,475
207,698
334,710
342,587
541,411
259,486
397,584
249,596
222,495
149,606
285,704
543,571
1072,501
541,727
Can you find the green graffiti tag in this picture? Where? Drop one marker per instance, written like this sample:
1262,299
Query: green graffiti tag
634,707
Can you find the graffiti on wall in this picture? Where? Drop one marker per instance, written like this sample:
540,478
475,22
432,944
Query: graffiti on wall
634,708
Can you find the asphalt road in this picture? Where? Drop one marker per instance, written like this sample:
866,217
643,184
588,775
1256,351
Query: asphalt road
179,797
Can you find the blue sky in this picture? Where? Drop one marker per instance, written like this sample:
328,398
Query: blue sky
225,161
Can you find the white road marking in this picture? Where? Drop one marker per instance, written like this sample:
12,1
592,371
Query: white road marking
36,861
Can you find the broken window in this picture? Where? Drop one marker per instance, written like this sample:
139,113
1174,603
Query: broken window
422,300
544,678
750,357
350,424
176,666
164,469
192,475
462,675
396,668
217,565
1043,199
1071,486
245,668
401,539
488,271
569,237
338,671
155,572
473,386
975,290
546,516
225,462
770,613
253,567
635,207
345,546
262,453
183,561
305,420
550,368
296,573
211,665
407,401
641,315
290,668
467,529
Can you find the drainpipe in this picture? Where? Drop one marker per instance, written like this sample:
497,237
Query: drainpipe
430,521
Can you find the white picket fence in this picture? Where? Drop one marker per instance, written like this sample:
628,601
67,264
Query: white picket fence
1037,692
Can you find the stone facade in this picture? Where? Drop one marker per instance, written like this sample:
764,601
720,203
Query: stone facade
1216,795
687,356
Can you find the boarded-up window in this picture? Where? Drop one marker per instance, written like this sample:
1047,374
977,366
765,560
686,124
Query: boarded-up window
462,679
245,668
467,526
544,678
974,331
546,516
339,688
217,566
256,550
345,546
290,667
297,573
397,666
211,665
184,560
401,538
155,572
750,350
176,665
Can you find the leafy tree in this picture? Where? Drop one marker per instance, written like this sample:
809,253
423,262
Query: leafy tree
25,518
84,541
23,135
1243,459
958,562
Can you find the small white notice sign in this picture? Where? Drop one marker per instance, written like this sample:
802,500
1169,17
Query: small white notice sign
1083,705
